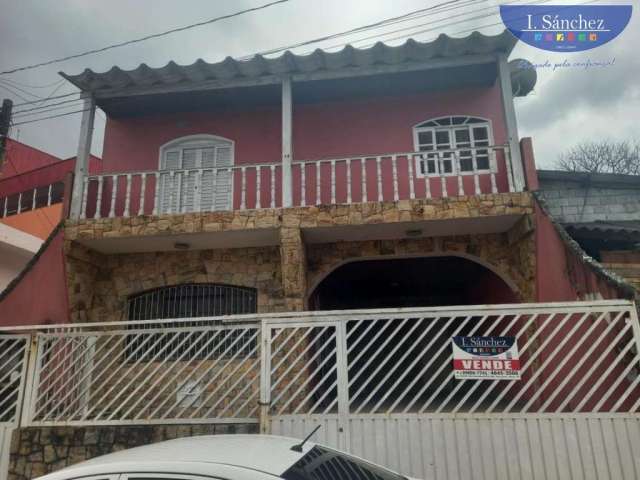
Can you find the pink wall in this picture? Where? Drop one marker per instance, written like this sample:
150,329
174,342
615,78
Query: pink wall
337,129
324,130
385,125
134,143
22,158
561,274
43,175
41,295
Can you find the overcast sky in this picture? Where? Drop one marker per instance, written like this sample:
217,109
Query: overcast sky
567,106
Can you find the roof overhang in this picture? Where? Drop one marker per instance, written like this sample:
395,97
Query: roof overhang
445,62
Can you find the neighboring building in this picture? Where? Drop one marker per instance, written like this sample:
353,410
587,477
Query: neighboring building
16,249
32,190
601,212
348,214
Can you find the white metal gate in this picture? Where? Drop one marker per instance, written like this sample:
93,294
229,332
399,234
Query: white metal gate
381,385
13,363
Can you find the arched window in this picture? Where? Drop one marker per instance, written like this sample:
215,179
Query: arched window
457,144
195,174
191,301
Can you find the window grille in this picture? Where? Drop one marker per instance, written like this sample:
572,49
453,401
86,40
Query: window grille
190,301
449,137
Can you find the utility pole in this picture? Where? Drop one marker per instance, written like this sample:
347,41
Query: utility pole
5,121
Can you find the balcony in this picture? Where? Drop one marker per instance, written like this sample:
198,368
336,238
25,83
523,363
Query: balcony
356,179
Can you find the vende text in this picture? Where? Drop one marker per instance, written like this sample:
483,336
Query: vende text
486,364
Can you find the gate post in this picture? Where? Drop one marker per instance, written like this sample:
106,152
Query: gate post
32,373
635,325
342,372
265,376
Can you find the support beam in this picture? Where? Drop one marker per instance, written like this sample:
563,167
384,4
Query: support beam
84,152
287,143
293,260
504,76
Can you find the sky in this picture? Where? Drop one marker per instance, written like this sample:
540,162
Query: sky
567,107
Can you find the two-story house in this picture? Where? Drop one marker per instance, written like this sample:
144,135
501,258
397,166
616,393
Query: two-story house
280,243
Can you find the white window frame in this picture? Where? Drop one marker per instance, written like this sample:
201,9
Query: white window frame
198,141
455,171
194,141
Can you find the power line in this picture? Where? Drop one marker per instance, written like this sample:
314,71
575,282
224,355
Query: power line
49,117
552,9
13,92
46,106
413,15
20,84
31,102
148,37
20,89
422,24
378,24
47,110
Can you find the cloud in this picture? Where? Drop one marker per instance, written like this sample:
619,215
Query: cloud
565,108
572,105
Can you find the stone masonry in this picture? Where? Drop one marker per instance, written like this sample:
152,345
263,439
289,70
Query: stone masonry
283,275
99,284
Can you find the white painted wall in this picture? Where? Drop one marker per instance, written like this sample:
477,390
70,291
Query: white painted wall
16,249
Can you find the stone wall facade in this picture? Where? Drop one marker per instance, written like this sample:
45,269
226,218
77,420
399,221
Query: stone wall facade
99,284
38,451
514,263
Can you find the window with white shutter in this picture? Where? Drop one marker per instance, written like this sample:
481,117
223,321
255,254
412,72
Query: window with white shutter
195,174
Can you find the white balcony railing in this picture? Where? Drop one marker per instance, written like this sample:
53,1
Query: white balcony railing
388,177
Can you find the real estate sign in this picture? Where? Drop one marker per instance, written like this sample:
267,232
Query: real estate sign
483,358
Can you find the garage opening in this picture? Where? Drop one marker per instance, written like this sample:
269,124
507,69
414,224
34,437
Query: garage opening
410,282
374,362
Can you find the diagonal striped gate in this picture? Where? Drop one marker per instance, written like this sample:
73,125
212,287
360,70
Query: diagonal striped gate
13,363
381,385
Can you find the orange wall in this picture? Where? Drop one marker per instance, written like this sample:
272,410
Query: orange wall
39,222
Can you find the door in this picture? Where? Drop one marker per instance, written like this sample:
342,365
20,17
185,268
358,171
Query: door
196,175
305,376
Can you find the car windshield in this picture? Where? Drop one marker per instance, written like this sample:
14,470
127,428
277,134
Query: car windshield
325,464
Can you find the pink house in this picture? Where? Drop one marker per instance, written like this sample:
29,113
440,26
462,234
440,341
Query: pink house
278,243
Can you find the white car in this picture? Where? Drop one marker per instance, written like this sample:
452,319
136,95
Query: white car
228,457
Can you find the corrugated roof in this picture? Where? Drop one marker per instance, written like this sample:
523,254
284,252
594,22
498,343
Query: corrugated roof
349,58
631,227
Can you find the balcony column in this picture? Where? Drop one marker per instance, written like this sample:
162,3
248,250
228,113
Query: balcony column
84,152
504,76
287,142
293,263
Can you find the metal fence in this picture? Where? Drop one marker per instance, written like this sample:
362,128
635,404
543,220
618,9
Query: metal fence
575,358
13,361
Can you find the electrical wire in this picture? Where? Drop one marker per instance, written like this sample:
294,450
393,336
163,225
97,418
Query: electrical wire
382,23
31,102
20,89
142,39
20,84
50,117
553,8
20,112
409,16
377,36
12,92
